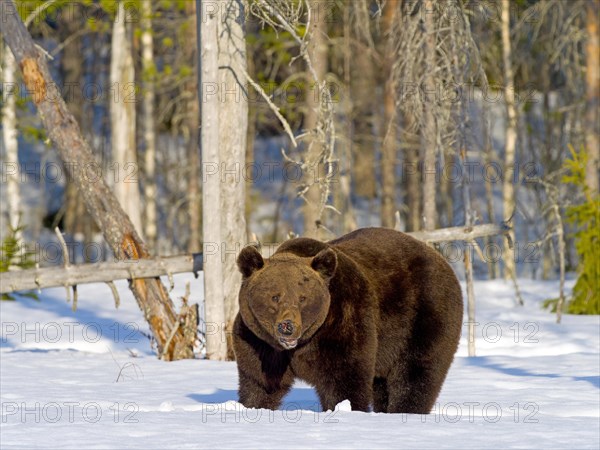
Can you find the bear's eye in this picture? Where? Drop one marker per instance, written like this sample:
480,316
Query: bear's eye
302,299
275,298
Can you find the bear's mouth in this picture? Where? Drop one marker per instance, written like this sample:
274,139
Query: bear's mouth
288,343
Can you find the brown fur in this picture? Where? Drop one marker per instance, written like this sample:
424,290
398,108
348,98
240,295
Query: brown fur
376,315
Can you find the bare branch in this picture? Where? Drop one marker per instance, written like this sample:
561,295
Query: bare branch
274,108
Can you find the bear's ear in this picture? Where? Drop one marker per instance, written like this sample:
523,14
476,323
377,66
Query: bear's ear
249,261
325,263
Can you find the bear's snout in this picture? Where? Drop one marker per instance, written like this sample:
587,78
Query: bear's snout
286,328
288,333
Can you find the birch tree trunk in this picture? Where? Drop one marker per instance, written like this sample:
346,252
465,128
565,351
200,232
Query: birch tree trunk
9,141
592,52
508,189
390,140
317,52
233,127
74,151
122,120
148,77
207,20
429,131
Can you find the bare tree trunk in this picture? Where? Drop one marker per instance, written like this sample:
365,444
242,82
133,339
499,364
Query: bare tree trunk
411,174
250,138
208,56
390,140
317,52
192,136
122,120
148,77
75,153
429,131
489,187
10,143
462,121
446,196
233,124
508,189
194,193
592,52
348,222
363,83
560,234
468,260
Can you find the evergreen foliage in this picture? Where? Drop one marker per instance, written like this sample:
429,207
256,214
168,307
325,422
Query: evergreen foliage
585,217
14,255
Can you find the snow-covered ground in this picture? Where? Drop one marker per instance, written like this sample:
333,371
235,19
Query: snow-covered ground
90,380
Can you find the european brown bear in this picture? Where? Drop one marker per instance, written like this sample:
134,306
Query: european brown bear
374,317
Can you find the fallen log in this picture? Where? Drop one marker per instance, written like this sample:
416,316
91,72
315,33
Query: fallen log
150,268
21,280
461,233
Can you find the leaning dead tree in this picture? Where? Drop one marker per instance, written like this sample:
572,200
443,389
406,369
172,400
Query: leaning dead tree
119,232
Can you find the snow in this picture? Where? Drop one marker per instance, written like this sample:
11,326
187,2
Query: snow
90,379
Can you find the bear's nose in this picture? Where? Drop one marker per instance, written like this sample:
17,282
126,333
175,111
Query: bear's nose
286,327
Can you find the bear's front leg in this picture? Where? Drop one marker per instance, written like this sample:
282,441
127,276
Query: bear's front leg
354,387
345,372
255,394
346,379
264,373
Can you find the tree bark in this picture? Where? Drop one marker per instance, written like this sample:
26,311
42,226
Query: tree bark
250,137
592,125
411,174
124,177
192,135
10,143
208,20
390,140
363,83
508,189
317,51
148,77
489,187
344,188
233,125
429,130
101,203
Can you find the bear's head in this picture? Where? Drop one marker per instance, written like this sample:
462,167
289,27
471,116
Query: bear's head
285,299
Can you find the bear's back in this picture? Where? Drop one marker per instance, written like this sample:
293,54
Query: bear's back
401,268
